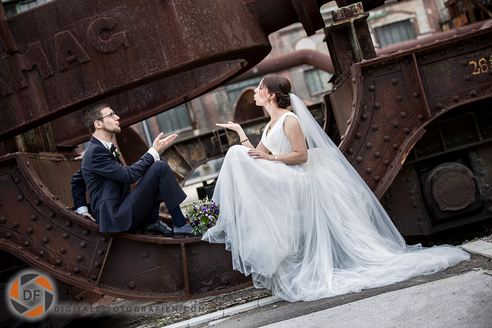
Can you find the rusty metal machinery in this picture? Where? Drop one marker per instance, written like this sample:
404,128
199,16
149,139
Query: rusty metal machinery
408,123
143,58
415,124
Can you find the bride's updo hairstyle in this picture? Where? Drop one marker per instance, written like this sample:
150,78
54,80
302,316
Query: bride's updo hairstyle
280,86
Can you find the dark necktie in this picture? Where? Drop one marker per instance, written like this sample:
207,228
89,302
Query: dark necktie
112,149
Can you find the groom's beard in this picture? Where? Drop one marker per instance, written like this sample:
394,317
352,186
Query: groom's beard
115,130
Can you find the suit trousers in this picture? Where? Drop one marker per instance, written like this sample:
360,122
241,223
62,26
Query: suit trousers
157,185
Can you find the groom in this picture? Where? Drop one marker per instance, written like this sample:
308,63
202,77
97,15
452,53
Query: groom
115,208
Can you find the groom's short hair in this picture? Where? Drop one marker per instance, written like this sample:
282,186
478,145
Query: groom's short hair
92,113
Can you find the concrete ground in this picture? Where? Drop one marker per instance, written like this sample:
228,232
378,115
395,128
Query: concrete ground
460,296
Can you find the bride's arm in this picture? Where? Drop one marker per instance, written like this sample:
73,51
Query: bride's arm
242,135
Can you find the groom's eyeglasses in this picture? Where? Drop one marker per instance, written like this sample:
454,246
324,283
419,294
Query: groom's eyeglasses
112,114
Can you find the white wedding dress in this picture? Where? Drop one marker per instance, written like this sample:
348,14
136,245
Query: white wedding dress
313,230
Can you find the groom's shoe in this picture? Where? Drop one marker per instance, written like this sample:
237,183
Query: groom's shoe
185,231
158,228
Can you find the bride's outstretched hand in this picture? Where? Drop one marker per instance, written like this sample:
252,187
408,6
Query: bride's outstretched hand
231,126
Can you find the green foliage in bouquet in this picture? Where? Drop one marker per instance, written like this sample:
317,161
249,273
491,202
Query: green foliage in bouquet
202,215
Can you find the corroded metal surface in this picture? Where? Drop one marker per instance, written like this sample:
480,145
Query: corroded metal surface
394,97
144,57
37,227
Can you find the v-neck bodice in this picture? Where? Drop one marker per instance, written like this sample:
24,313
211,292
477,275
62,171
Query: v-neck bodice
276,140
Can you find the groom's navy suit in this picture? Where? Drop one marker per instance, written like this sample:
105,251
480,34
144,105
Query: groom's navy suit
115,208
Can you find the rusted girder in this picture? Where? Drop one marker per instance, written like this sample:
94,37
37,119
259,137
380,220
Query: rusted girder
145,57
384,104
37,227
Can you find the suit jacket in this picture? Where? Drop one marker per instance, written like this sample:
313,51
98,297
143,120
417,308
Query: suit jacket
108,182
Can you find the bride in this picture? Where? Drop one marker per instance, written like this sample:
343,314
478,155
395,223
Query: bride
298,218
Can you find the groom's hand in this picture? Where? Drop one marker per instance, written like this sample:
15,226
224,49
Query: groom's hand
159,144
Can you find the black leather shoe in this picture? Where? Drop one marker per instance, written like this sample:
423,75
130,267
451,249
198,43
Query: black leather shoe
158,228
185,231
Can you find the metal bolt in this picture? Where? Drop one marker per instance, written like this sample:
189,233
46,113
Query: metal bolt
65,235
371,87
52,215
358,159
468,78
15,225
79,257
48,227
368,170
68,223
100,252
83,244
58,262
386,138
131,285
145,254
358,135
368,145
86,232
104,239
375,127
30,230
377,105
377,178
406,131
76,270
3,219
399,98
94,277
350,151
63,250
395,124
97,264
416,95
394,81
395,146
34,217
403,114
17,180
8,235
377,154
37,202
364,117
26,243
421,117
20,198
46,240
457,98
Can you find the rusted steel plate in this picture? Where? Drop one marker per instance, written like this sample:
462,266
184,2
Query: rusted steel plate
37,227
394,97
147,57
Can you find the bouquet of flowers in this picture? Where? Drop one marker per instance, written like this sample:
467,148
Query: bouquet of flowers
202,215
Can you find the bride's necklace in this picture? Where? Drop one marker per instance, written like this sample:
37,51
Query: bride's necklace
272,122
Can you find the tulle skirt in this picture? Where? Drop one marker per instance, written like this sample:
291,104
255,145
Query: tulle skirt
311,231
